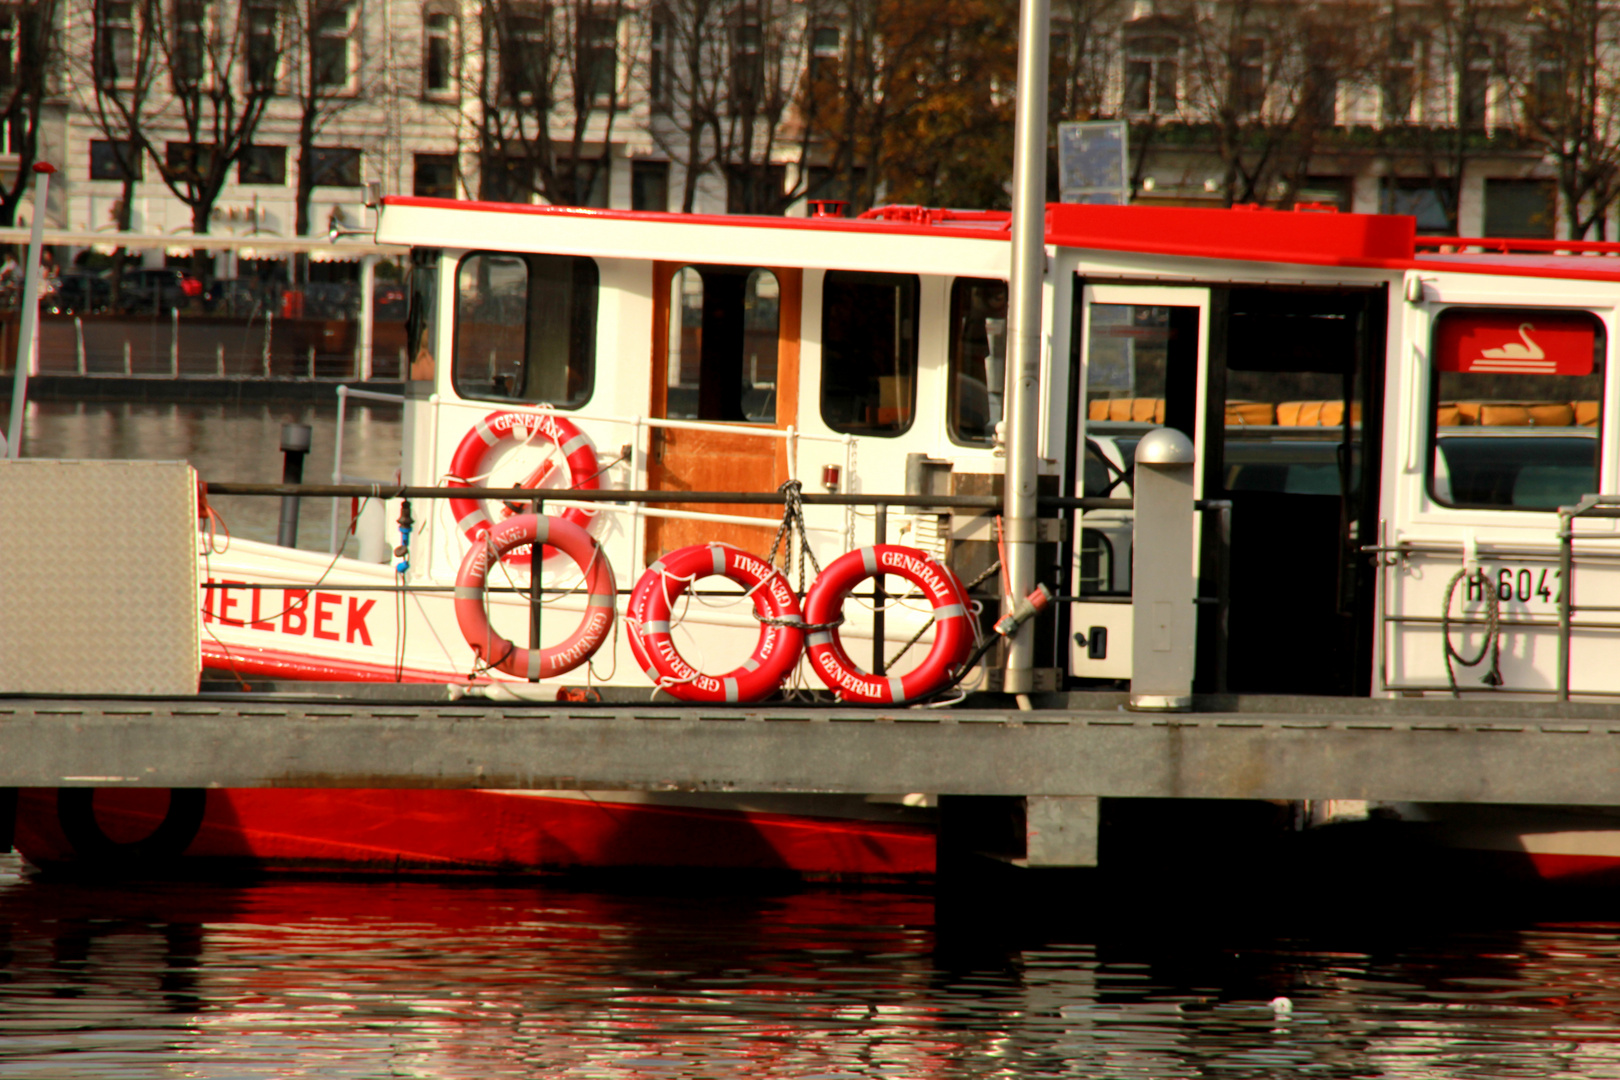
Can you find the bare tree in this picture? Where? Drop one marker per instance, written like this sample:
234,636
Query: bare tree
550,88
29,53
326,68
1568,95
205,46
1264,78
729,95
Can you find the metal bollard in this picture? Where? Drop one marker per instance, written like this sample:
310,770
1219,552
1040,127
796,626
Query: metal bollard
295,443
1162,583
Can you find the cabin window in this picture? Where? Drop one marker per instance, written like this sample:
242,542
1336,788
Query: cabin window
868,352
1519,406
526,328
978,358
724,323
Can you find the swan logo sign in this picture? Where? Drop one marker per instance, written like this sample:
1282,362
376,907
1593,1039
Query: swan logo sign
1516,342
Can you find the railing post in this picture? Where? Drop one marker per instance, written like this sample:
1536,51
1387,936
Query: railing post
295,443
1163,585
880,535
174,341
1566,589
78,342
536,557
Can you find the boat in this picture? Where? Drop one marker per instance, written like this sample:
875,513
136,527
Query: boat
1396,432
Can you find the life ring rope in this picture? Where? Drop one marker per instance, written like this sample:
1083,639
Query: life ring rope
472,597
652,619
523,429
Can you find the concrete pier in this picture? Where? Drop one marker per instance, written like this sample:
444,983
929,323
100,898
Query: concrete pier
1080,745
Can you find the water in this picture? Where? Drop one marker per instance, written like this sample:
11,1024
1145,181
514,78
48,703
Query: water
224,442
377,978
485,979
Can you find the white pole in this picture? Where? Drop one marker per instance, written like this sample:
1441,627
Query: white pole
30,309
78,341
366,336
174,341
1024,326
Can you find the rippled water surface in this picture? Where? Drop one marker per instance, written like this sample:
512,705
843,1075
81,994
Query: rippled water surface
431,979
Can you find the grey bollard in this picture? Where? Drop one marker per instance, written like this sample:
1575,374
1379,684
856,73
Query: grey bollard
295,443
1162,581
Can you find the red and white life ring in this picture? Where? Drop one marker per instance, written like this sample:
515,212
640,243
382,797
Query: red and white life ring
780,638
602,592
467,466
953,635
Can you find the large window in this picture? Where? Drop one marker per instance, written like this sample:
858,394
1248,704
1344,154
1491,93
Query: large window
438,51
336,166
1519,406
434,176
978,358
868,352
114,159
1521,208
263,45
115,42
597,61
189,51
1152,71
262,165
526,328
724,325
333,62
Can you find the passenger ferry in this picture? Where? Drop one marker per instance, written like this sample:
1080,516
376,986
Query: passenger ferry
1402,434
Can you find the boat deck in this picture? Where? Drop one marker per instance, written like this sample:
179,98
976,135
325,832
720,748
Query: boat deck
1471,751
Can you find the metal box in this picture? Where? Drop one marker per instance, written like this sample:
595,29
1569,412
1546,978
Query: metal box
98,577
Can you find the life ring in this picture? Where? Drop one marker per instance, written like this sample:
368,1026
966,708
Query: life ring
781,639
76,813
483,437
499,653
953,638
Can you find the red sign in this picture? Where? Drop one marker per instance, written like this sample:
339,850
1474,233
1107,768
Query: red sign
1492,341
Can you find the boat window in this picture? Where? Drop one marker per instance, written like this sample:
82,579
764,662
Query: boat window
421,316
724,324
978,358
1519,404
526,328
869,352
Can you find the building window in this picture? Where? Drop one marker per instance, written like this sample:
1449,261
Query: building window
1521,209
506,178
658,59
1334,191
1400,79
262,165
755,188
335,166
188,161
1474,85
434,176
592,180
263,46
747,64
114,159
825,50
1251,76
1152,73
1429,202
332,61
190,44
115,42
526,327
868,352
649,185
524,62
597,62
438,50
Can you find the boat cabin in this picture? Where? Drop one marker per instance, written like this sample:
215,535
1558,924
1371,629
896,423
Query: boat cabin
1384,436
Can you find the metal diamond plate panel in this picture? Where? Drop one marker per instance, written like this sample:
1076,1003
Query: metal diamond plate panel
98,577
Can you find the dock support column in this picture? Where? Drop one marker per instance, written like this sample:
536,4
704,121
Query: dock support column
1061,830
1163,584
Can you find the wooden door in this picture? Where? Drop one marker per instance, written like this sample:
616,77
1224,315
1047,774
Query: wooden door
717,360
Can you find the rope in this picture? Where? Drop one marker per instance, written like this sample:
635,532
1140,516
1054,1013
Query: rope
1492,644
793,521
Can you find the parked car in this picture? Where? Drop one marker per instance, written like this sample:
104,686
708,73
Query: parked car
153,291
79,293
242,296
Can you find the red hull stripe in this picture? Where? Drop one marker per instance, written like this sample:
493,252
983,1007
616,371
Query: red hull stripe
494,830
259,663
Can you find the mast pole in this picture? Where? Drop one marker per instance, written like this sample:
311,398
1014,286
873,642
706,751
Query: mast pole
30,309
1025,283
